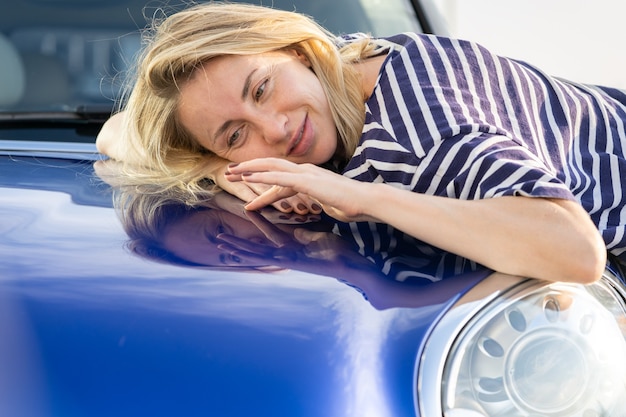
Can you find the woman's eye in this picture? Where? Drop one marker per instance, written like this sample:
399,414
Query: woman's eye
233,138
259,92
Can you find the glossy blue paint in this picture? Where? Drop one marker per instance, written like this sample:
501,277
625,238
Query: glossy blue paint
89,329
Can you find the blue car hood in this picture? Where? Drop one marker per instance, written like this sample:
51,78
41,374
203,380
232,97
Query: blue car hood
88,328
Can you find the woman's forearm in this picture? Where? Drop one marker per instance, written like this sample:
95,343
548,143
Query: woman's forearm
536,237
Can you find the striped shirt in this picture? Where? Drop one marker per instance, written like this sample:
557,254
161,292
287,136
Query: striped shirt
449,118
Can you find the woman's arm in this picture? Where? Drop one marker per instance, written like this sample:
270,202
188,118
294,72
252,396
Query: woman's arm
537,237
542,238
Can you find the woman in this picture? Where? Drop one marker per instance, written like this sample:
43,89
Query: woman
532,163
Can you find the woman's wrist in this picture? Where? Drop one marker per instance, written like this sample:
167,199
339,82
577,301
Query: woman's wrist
375,202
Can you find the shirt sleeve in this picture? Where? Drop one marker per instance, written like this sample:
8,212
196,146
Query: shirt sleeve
483,165
469,166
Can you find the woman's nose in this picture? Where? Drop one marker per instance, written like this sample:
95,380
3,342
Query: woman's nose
275,128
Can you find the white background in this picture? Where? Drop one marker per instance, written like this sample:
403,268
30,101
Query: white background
581,40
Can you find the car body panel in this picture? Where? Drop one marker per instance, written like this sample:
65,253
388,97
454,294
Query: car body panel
104,332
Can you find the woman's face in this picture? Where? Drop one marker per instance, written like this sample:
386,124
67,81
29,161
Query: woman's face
243,107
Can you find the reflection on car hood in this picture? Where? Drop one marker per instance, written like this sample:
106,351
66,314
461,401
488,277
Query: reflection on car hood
91,329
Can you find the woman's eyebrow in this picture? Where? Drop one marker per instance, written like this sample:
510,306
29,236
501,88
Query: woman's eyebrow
246,85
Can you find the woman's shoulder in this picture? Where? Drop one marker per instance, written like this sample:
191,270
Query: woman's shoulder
409,40
396,42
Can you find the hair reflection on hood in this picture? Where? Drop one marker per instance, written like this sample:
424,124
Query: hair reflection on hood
164,229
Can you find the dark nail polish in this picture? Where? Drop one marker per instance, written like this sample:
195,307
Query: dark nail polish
232,165
301,207
285,205
316,207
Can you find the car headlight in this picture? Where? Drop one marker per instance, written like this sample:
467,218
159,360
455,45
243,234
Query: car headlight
531,349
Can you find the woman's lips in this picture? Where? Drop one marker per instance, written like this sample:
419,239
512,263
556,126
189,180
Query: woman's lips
301,143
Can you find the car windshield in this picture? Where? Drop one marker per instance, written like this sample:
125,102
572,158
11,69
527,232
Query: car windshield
64,55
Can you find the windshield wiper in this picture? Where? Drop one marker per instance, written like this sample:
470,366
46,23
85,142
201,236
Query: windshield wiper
94,113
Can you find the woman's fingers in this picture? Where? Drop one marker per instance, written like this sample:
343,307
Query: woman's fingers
241,190
277,172
298,203
341,197
271,196
306,204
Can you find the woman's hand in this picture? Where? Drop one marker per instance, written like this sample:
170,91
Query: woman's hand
340,197
248,192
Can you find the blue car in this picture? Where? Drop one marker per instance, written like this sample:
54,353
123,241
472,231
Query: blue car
215,311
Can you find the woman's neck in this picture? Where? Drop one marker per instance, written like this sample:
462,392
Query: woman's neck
369,69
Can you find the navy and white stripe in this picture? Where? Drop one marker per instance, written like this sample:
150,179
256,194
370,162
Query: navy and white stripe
449,118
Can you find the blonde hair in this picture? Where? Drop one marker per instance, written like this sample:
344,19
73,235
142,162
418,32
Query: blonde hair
145,217
182,42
